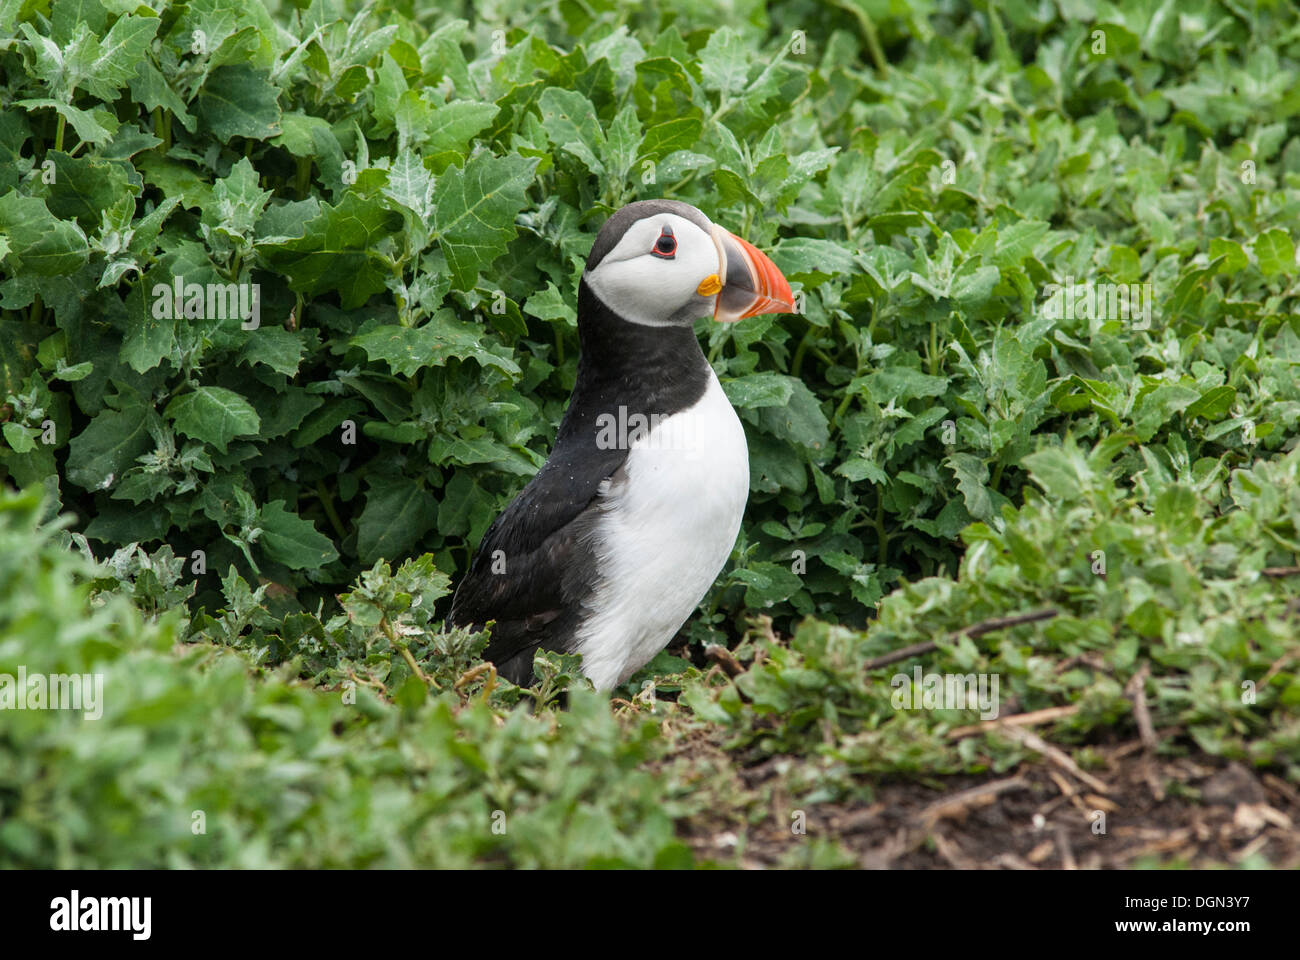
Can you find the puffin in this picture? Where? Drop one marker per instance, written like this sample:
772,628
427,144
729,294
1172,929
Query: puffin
613,543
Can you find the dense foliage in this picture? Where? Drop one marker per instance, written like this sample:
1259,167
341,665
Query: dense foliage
413,195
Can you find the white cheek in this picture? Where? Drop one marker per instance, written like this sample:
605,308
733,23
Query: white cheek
649,290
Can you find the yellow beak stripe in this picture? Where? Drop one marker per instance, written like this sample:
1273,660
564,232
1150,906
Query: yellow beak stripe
709,286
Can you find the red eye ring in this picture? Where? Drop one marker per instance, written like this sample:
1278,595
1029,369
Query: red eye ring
666,246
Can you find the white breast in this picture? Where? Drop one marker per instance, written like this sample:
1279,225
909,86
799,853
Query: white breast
666,530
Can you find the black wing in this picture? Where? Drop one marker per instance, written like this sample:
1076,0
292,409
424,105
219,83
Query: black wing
536,564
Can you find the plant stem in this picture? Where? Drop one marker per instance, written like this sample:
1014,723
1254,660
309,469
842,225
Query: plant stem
716,349
880,527
1283,541
327,503
841,409
400,646
869,34
796,364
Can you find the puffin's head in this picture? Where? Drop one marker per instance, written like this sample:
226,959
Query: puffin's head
663,263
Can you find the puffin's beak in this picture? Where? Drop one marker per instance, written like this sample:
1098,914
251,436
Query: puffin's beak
750,282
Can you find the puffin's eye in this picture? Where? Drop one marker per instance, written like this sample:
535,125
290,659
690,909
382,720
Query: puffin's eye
666,245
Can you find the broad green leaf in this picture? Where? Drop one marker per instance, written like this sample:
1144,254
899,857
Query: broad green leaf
39,243
808,255
725,61
972,287
298,132
858,469
151,89
767,583
759,390
93,126
85,187
112,61
892,383
410,186
220,21
474,212
972,475
662,139
18,438
1276,253
239,101
571,123
1056,471
409,349
150,339
1125,265
213,414
1155,405
1214,404
293,541
398,512
800,420
623,143
1018,241
237,202
1234,257
453,125
66,14
275,347
102,453
338,250
50,59
1176,512
549,304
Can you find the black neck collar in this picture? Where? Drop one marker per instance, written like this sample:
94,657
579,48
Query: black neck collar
645,369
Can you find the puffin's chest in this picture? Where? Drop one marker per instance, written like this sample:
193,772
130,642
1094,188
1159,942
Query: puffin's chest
690,471
668,523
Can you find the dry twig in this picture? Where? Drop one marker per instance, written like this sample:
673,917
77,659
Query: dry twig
1046,715
1059,757
959,804
1135,689
975,630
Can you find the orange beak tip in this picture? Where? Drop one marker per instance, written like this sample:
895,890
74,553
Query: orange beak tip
766,287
